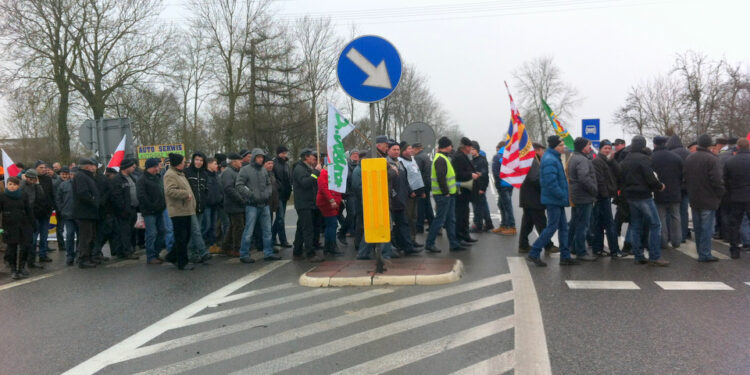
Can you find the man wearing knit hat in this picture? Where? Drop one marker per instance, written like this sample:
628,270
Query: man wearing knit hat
124,199
583,193
464,173
444,190
282,171
554,198
181,207
703,178
152,204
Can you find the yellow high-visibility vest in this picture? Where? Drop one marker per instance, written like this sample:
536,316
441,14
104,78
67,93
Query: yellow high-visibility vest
450,176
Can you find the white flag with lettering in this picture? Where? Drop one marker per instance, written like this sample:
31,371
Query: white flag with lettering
338,128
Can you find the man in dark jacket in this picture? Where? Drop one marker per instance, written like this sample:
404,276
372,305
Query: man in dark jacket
86,210
444,189
583,194
234,206
304,181
674,144
282,171
482,219
197,177
640,182
424,205
703,178
668,166
151,201
124,200
607,173
254,184
65,222
531,203
555,198
106,225
464,173
39,208
737,181
43,214
399,192
214,198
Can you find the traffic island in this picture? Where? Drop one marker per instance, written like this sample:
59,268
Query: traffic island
404,271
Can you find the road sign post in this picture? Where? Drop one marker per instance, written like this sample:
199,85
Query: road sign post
591,131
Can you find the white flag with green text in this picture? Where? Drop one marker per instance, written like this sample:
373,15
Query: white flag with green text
338,128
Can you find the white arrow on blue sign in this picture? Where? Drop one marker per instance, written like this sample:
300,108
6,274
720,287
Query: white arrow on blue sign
369,68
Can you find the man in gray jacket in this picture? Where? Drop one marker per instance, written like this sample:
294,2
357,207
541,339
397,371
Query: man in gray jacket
583,193
254,184
234,206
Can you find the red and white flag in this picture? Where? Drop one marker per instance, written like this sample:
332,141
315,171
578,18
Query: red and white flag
518,154
10,167
119,154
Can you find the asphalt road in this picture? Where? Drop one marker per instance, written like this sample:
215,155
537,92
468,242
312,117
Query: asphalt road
503,316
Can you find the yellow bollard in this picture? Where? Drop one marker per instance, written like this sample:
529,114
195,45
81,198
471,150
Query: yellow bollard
377,216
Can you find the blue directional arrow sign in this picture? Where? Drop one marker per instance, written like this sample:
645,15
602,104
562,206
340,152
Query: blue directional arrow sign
369,68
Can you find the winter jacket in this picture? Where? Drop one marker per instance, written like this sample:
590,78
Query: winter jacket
638,176
324,196
553,180
150,191
234,203
737,177
198,180
254,183
49,192
531,190
607,174
398,185
675,145
88,198
178,194
283,173
119,196
497,164
214,194
65,200
305,185
40,206
357,182
582,179
413,174
17,217
273,203
668,166
425,168
481,166
703,179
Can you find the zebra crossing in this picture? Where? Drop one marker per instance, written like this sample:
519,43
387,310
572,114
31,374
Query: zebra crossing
489,325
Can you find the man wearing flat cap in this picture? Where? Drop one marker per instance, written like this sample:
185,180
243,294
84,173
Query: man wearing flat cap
668,166
152,204
464,173
87,200
124,199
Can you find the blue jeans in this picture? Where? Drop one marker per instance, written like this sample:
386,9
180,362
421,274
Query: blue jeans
745,232
505,204
366,248
330,231
424,211
556,220
278,229
603,221
196,246
71,231
400,233
263,215
684,206
155,231
643,212
168,231
41,230
208,226
481,211
703,227
580,218
445,215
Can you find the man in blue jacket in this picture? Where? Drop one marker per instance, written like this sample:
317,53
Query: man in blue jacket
555,199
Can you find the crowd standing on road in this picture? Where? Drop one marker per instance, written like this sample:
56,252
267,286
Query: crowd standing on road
231,204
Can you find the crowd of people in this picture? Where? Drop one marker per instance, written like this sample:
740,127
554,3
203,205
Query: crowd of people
230,204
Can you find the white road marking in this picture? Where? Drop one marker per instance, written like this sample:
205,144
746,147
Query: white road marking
693,285
748,283
498,364
30,280
253,293
601,284
256,306
323,326
419,352
299,358
234,328
531,355
689,248
116,352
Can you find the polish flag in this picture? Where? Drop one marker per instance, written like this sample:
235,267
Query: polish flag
10,167
114,163
748,136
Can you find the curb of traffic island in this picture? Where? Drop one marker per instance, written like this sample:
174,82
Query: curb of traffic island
399,272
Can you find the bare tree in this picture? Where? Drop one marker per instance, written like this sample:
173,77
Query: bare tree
702,92
153,113
122,42
734,114
541,79
39,41
233,28
191,72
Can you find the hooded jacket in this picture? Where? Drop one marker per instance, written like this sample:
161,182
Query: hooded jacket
198,180
582,178
481,166
253,182
150,192
553,180
737,178
283,173
638,174
234,203
703,179
668,166
305,185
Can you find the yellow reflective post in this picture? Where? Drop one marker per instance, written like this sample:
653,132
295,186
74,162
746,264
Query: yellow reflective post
377,216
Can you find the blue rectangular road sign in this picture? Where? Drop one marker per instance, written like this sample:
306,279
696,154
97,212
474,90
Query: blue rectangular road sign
590,129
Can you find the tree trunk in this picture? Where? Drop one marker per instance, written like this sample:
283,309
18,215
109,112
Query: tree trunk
63,135
229,132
